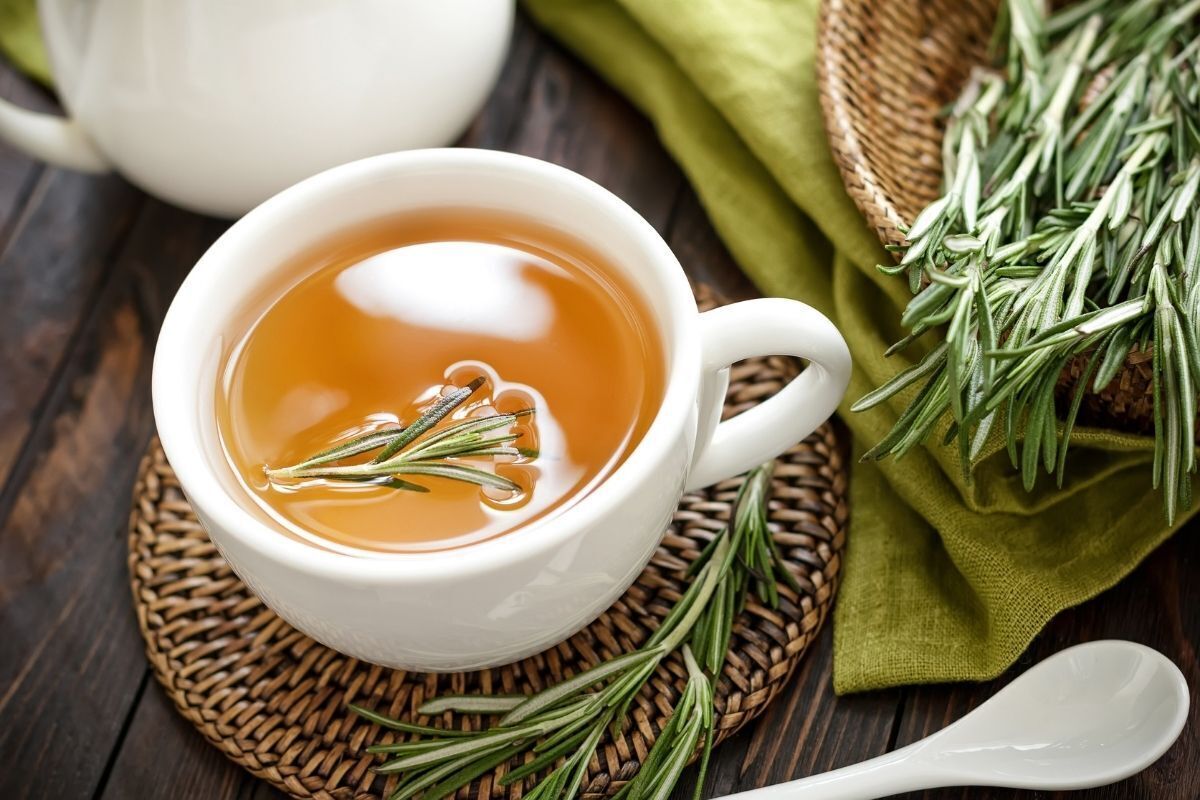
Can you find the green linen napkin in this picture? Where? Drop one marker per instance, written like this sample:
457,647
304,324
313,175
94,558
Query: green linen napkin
20,39
943,580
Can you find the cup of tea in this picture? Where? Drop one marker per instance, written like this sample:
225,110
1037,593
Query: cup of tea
215,105
436,408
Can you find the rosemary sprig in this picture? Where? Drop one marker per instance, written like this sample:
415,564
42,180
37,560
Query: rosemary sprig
1068,230
421,449
560,728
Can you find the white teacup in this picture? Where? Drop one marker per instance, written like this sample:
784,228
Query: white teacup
499,600
215,105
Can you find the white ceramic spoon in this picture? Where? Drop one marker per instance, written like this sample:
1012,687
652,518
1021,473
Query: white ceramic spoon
1088,716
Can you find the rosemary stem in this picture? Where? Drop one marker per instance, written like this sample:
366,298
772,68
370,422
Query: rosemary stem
705,585
422,449
560,727
1079,58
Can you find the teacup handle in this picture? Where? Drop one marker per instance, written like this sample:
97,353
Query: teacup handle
769,326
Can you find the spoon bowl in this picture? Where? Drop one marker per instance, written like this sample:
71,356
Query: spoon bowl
1088,716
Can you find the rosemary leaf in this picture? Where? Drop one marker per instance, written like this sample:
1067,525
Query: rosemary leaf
356,446
472,704
463,775
432,785
441,409
456,472
397,725
421,449
546,757
465,746
1084,238
561,726
583,680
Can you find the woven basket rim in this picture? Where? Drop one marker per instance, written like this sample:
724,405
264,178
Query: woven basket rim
845,144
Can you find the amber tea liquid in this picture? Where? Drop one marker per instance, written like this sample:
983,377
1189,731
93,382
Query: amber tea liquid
368,329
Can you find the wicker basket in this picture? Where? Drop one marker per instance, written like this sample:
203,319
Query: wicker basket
886,68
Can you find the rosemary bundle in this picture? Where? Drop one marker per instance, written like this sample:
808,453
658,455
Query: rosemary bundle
1068,230
559,729
420,449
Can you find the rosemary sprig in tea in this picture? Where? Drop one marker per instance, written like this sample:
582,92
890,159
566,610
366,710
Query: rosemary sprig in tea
560,727
1068,231
410,451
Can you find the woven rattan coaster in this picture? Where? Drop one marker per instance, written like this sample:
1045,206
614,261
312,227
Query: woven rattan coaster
273,700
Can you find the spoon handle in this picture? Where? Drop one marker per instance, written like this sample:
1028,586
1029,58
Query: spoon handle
891,773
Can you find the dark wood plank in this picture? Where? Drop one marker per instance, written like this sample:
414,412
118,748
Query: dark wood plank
495,124
71,664
700,251
263,791
163,756
575,120
18,174
1159,606
57,231
55,262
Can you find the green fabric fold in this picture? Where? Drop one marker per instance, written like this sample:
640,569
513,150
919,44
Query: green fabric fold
945,579
20,39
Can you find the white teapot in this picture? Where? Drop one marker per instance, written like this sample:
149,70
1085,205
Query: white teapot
215,105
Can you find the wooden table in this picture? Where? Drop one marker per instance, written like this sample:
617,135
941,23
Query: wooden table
87,268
